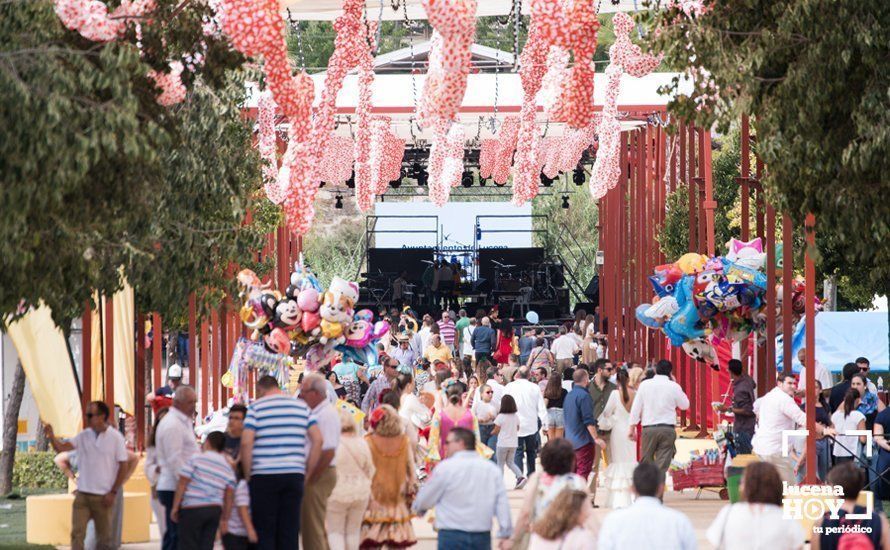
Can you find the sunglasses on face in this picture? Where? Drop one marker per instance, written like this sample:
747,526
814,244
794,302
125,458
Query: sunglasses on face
489,392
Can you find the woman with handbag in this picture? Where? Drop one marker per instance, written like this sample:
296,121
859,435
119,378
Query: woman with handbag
349,500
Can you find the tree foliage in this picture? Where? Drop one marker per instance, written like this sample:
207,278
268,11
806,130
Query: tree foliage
814,77
100,182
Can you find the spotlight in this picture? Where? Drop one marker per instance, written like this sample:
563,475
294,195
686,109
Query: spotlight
320,185
338,202
416,169
546,181
565,202
422,178
467,179
350,183
578,175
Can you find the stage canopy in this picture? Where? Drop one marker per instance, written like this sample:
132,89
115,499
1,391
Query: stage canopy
326,10
393,96
842,336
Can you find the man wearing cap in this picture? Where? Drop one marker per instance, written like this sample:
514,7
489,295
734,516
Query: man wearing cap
404,354
174,379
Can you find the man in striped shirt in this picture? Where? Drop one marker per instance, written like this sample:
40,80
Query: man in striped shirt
278,432
447,330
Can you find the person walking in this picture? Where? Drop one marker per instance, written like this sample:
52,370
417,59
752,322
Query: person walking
320,484
437,351
102,470
485,413
382,383
540,356
387,521
647,523
564,525
483,340
776,413
588,346
464,517
622,451
544,486
601,387
526,345
153,471
447,330
758,522
655,407
453,414
234,429
204,494
532,415
554,401
349,500
580,425
175,442
506,427
742,407
564,348
280,445
504,344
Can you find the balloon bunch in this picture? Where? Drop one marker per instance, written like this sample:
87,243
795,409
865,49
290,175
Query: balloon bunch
309,321
700,302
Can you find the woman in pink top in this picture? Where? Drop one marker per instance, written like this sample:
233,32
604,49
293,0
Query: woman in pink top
453,414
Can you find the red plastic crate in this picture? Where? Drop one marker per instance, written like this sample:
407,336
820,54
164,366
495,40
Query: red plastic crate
698,474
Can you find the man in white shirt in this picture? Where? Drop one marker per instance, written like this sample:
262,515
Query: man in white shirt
655,406
320,484
822,374
564,349
532,414
647,523
776,413
175,443
102,460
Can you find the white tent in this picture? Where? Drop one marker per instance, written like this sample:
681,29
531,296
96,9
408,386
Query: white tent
393,95
323,10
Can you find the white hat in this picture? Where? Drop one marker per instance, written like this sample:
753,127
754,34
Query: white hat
174,371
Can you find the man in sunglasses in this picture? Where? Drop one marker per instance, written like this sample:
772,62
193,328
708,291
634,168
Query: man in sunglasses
864,366
102,455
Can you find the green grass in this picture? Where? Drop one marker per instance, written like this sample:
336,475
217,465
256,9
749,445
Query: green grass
12,521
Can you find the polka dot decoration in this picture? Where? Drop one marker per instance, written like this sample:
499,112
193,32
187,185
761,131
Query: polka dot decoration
92,20
624,57
532,67
172,89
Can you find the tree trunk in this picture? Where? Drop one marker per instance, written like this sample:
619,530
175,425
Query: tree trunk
42,441
10,428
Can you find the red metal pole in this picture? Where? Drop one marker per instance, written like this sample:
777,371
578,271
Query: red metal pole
140,382
193,337
787,287
86,359
745,174
810,295
215,367
770,243
156,349
205,357
109,355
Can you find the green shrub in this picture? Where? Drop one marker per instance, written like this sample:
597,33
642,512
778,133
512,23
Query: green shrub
37,470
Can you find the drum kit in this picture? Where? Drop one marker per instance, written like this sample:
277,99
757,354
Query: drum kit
544,278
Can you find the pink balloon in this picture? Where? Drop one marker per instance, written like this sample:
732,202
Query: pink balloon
307,300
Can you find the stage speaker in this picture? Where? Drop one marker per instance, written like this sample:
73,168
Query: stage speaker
586,306
592,292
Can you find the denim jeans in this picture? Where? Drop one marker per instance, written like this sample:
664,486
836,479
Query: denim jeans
742,443
528,450
171,540
451,539
485,435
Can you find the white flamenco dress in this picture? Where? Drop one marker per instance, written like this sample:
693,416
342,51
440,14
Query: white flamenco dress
622,456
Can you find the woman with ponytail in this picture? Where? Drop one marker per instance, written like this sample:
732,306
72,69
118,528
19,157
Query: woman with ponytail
453,414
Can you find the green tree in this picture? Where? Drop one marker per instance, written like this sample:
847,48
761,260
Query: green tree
100,181
813,75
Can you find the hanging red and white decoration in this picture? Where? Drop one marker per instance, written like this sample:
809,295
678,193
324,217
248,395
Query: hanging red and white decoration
92,20
336,163
532,67
624,57
267,143
571,26
172,89
446,163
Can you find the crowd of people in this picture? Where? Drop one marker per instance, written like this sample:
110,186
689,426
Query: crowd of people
455,401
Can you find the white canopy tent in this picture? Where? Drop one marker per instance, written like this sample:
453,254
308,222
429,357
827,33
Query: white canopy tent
326,10
393,95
